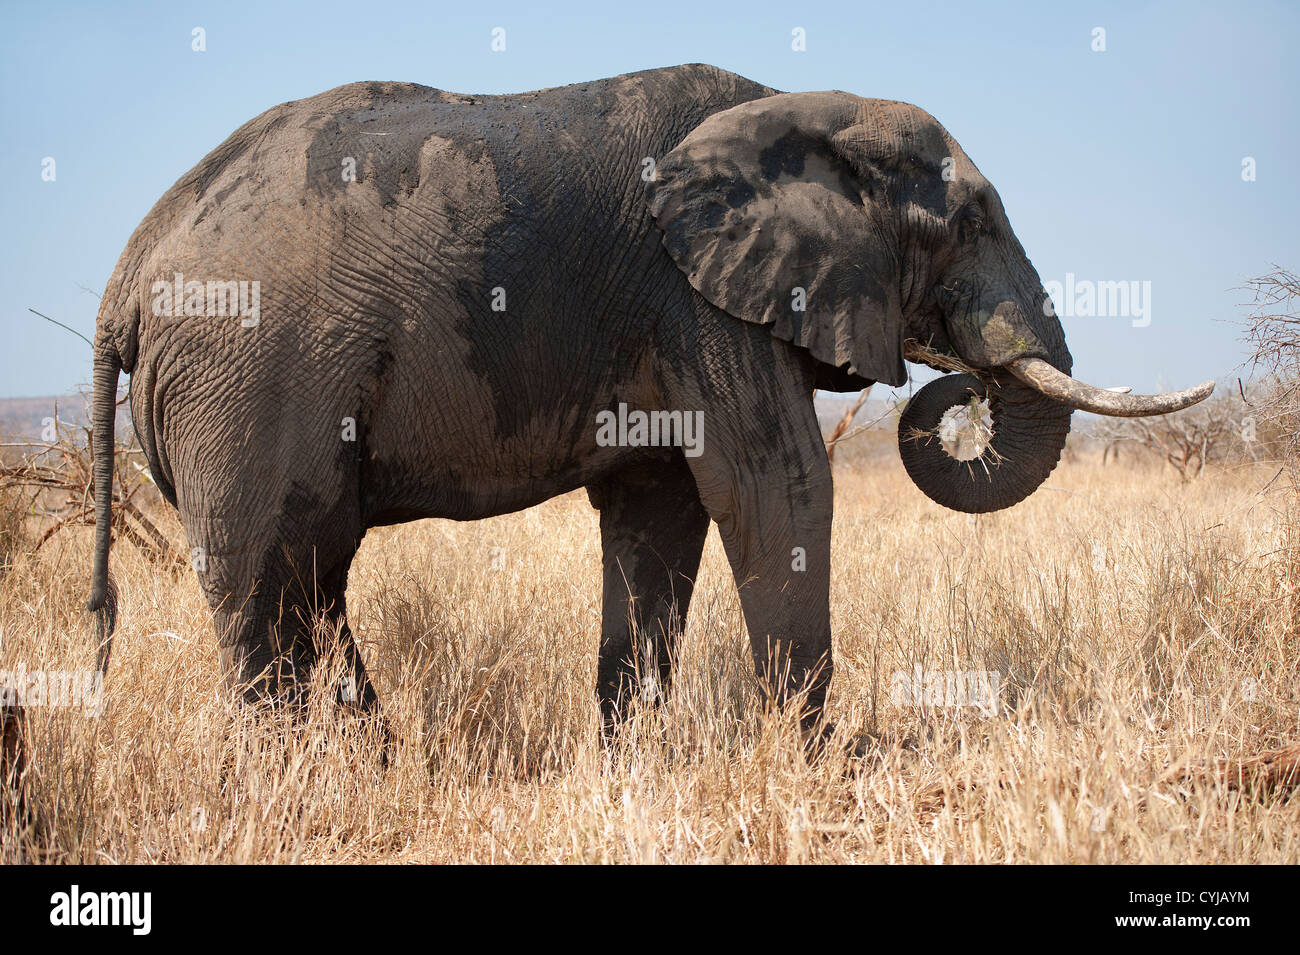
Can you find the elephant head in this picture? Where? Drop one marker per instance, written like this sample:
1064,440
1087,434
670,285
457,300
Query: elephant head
859,230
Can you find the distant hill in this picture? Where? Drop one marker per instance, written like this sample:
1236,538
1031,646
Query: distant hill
24,418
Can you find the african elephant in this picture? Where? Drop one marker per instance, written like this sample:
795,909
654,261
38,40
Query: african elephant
389,302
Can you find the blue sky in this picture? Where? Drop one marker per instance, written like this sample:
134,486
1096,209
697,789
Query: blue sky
1123,165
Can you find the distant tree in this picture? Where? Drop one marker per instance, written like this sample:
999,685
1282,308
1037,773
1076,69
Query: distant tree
1218,428
1273,331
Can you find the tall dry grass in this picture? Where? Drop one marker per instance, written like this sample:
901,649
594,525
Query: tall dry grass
1136,623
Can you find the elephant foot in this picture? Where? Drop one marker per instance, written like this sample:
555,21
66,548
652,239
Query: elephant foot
871,747
376,728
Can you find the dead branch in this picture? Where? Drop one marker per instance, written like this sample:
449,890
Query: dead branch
1277,771
64,467
838,434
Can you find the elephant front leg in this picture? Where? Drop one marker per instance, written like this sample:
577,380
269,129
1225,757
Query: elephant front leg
778,543
652,530
764,477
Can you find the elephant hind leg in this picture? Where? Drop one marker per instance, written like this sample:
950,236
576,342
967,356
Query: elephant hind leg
652,531
279,605
323,631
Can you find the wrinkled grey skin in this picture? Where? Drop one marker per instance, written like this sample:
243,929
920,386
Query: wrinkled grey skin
674,293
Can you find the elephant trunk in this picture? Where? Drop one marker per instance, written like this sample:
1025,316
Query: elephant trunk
1020,444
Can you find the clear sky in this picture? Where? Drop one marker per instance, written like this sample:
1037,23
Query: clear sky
1122,165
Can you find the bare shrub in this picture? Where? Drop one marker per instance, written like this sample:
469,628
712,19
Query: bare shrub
13,528
1222,428
58,476
1273,329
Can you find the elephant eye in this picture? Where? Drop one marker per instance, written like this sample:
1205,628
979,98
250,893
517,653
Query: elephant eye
970,225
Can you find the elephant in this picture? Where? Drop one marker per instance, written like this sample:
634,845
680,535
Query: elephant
390,302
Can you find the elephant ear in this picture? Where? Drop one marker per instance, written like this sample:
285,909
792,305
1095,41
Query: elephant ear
772,221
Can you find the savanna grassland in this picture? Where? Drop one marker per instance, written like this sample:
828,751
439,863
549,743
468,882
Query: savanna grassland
1137,623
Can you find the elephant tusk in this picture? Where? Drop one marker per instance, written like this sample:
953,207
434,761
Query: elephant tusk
1120,389
1059,386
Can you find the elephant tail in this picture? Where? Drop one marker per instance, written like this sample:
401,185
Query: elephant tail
103,591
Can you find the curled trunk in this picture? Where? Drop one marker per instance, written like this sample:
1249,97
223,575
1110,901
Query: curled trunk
1028,434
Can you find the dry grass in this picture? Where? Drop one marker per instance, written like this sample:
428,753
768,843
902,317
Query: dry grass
1136,622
